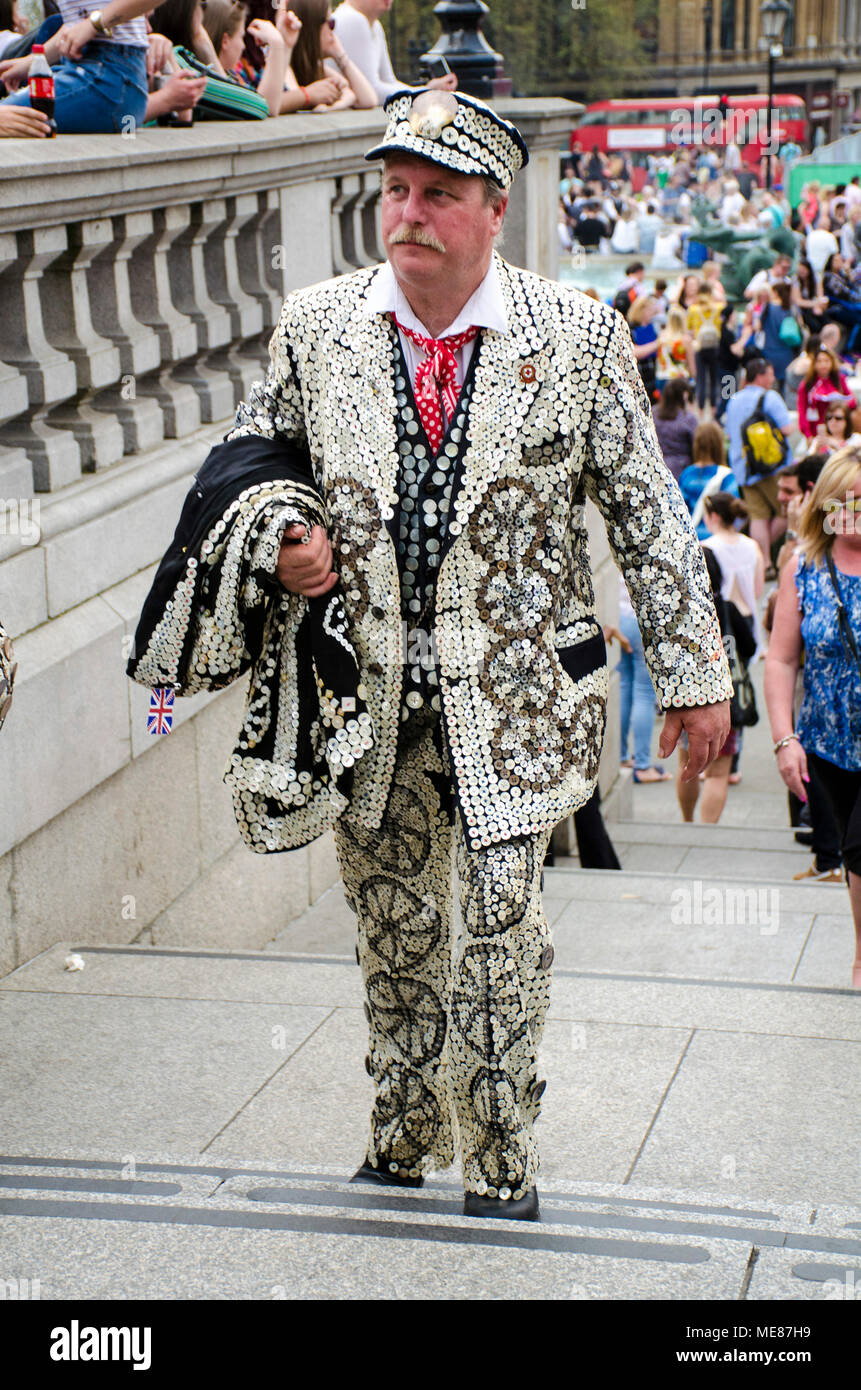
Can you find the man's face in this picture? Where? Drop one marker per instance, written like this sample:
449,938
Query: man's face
446,210
765,380
787,488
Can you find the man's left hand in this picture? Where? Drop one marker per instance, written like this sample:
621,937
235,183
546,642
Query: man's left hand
707,727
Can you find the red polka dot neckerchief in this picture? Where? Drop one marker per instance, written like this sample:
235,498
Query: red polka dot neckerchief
436,383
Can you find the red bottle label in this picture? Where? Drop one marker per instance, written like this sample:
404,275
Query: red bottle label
42,87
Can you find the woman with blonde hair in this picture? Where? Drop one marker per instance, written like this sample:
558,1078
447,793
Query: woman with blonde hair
645,338
819,609
319,54
710,273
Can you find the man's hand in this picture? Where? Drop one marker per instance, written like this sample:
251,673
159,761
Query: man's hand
446,83
19,122
14,71
306,569
707,727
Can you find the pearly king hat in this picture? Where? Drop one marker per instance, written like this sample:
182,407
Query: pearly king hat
457,131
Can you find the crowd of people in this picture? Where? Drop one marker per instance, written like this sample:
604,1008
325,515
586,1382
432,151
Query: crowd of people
756,409
131,64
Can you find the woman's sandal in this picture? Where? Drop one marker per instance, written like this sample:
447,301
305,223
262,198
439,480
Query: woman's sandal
652,774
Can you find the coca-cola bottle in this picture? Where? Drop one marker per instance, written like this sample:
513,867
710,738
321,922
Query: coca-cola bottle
41,84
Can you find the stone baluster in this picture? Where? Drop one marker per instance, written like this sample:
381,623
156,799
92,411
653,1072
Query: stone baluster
49,373
345,251
152,304
230,215
67,305
242,360
368,239
213,383
255,257
138,344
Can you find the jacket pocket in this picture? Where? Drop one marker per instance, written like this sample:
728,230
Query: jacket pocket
584,657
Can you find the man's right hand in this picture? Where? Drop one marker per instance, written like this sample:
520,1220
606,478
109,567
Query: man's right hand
19,122
306,569
446,83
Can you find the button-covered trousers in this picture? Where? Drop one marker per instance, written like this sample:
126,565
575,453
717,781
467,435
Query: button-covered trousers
454,1024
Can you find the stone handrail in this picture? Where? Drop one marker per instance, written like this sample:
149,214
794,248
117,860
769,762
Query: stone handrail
141,274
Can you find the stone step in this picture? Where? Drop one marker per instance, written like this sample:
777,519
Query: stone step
695,835
696,851
244,1231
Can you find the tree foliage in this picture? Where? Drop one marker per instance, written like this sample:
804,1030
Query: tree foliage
585,49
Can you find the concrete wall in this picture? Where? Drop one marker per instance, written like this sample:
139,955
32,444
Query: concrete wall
139,283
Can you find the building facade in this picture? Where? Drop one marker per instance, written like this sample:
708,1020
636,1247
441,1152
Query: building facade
717,46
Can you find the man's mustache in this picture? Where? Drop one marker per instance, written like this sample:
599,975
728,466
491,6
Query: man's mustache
413,236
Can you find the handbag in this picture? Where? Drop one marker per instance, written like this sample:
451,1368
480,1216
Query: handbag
743,712
224,98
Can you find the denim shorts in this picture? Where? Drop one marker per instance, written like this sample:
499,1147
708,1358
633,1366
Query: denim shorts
104,92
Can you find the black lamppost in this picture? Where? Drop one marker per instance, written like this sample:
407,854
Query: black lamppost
466,50
773,16
708,16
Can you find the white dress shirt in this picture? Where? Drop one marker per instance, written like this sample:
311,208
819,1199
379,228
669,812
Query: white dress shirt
484,309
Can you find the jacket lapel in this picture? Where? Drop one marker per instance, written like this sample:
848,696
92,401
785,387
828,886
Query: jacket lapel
369,391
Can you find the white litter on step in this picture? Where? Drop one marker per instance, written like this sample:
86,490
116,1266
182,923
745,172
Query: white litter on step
74,963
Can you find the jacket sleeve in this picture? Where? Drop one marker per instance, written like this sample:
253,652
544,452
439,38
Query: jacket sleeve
652,538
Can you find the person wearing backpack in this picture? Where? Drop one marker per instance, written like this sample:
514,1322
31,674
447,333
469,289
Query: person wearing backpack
704,324
758,424
708,474
781,333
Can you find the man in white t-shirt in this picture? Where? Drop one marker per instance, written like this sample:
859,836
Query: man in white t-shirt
821,243
357,24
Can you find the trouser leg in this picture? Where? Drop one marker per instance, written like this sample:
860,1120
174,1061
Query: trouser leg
398,880
499,1002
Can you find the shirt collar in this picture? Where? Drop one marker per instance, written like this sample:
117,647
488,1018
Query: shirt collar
484,309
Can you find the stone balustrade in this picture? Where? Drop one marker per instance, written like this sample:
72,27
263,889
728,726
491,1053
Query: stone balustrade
140,279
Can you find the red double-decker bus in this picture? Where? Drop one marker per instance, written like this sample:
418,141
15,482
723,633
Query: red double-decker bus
658,125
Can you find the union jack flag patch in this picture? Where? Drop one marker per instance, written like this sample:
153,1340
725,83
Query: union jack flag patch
160,716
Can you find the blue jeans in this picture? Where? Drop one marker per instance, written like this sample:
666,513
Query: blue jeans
104,92
637,696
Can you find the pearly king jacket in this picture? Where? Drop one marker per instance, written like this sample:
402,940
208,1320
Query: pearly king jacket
557,413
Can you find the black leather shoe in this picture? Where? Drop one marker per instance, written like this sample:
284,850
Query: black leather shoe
382,1175
516,1209
804,837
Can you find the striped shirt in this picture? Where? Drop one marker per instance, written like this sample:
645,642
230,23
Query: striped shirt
130,31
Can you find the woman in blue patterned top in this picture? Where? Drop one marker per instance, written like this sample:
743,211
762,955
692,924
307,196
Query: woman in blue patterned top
822,579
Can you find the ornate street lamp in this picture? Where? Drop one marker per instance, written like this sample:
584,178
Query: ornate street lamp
466,50
773,15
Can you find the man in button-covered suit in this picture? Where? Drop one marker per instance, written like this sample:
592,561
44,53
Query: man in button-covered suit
458,412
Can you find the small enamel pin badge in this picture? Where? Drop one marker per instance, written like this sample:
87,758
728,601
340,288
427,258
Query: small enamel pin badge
527,372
